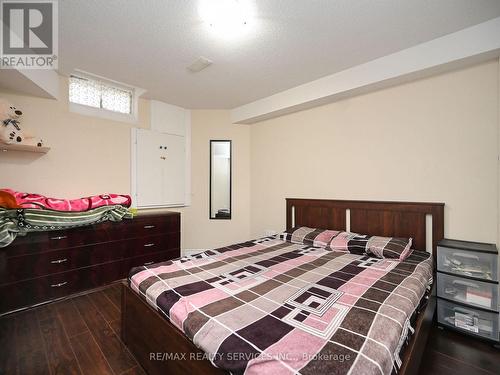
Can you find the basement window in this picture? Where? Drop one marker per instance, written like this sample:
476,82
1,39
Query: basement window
96,96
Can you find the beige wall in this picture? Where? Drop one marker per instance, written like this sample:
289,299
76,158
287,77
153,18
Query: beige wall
434,139
198,231
91,155
88,155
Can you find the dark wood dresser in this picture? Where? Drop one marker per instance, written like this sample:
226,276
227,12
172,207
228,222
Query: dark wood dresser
47,265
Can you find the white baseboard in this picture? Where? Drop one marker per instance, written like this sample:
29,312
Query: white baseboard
192,251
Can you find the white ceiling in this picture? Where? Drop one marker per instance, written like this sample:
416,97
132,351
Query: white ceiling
149,43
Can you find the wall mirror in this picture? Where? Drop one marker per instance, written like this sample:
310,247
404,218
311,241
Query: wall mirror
220,179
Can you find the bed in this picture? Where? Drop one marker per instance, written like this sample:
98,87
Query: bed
274,306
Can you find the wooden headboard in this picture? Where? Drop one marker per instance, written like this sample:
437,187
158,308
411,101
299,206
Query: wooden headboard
392,219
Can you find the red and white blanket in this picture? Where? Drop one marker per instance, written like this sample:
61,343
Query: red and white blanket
28,200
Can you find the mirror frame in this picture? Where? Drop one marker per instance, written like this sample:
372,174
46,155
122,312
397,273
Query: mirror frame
230,181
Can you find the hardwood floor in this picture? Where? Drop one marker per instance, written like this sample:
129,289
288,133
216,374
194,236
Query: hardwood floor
81,335
450,353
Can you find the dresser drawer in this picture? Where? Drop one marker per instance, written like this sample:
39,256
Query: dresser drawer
29,266
34,291
140,226
470,320
31,292
152,244
470,292
467,263
147,225
38,242
148,259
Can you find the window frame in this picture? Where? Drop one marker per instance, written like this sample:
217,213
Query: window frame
87,110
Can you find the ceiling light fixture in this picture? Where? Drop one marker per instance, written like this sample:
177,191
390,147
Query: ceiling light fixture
227,18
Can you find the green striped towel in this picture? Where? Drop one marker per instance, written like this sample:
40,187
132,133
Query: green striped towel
21,221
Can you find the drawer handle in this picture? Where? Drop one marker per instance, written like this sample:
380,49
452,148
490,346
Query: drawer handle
465,283
149,226
149,244
58,238
59,261
464,255
148,263
59,285
464,311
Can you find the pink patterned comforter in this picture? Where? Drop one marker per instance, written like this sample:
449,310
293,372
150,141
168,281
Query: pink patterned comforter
27,200
274,307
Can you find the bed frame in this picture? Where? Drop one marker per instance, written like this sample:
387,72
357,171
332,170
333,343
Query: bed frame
146,332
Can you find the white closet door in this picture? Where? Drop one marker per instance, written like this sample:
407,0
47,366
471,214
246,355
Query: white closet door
160,169
173,169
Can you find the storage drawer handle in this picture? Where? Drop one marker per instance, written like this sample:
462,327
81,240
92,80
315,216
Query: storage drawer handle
464,311
59,261
149,226
148,263
59,285
465,283
149,244
464,255
58,238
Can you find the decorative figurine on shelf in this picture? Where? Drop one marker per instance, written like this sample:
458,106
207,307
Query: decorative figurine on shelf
11,131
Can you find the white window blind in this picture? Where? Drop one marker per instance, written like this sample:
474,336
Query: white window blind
99,94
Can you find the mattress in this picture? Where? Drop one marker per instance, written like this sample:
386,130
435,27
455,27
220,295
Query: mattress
270,306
